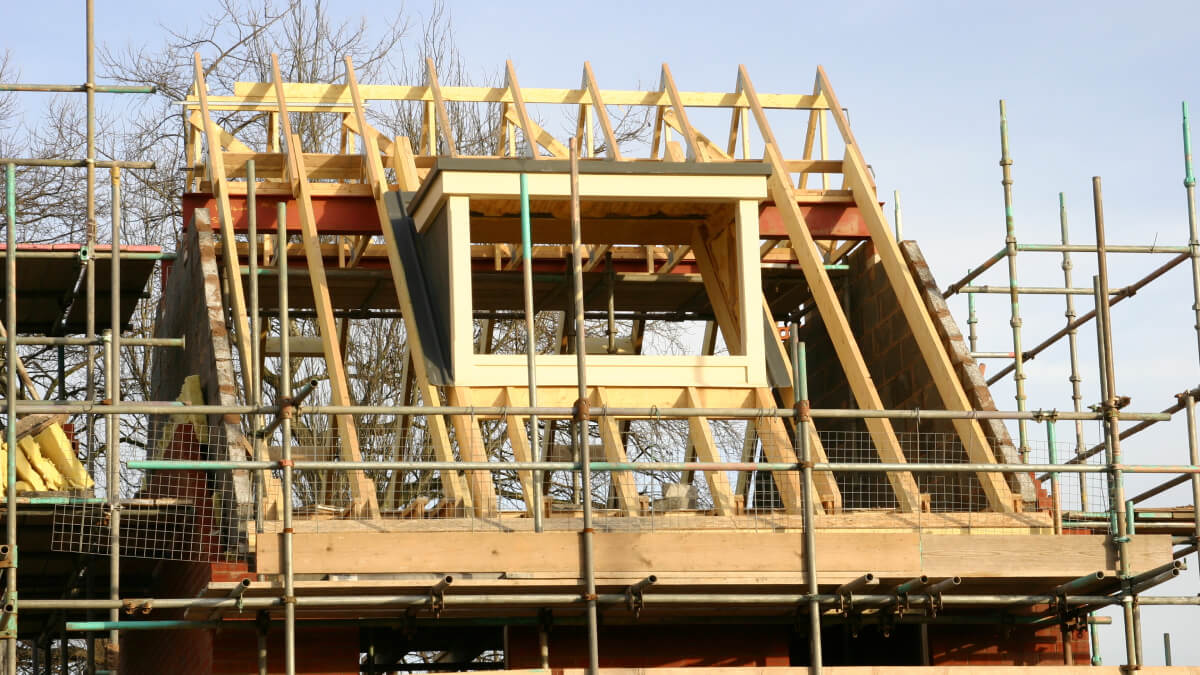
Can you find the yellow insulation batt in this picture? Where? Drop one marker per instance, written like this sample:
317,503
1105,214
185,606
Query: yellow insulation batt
192,394
45,459
56,447
26,473
45,468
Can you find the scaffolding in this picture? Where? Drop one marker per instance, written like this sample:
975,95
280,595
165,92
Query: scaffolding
797,461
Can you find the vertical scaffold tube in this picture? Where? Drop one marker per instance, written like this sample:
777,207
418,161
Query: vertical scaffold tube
1189,406
255,337
1111,424
580,437
285,394
90,249
1055,494
972,321
1189,184
531,348
10,397
800,386
1073,346
1010,244
113,384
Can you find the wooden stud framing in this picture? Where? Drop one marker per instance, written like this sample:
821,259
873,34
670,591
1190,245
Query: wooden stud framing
439,105
701,440
887,445
443,450
949,387
362,488
518,438
614,451
518,105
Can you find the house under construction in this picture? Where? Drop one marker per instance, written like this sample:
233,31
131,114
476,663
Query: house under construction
812,474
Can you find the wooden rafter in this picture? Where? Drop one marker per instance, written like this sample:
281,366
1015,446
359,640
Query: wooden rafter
701,440
612,148
695,149
361,487
439,105
614,451
933,352
220,188
438,431
518,106
540,135
887,445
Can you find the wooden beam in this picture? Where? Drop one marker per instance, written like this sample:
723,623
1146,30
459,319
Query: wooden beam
220,188
700,438
439,104
714,153
382,142
824,483
455,491
887,445
933,352
405,165
692,556
472,449
518,438
228,140
518,103
362,488
540,135
251,93
614,451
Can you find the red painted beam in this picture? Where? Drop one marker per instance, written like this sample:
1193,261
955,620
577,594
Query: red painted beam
825,221
354,215
335,214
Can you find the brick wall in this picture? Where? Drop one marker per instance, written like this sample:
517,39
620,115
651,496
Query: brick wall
975,645
319,651
655,646
903,381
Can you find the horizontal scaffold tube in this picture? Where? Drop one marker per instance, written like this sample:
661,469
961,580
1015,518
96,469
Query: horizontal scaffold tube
77,163
1089,248
545,599
99,341
81,88
98,255
1034,290
945,467
24,407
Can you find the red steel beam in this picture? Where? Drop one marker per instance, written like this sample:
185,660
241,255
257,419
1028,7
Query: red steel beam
356,215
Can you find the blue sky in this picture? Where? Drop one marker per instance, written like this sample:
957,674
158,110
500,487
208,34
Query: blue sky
1092,89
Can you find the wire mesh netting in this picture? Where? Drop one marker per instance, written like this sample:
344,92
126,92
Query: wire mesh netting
205,515
417,493
190,515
